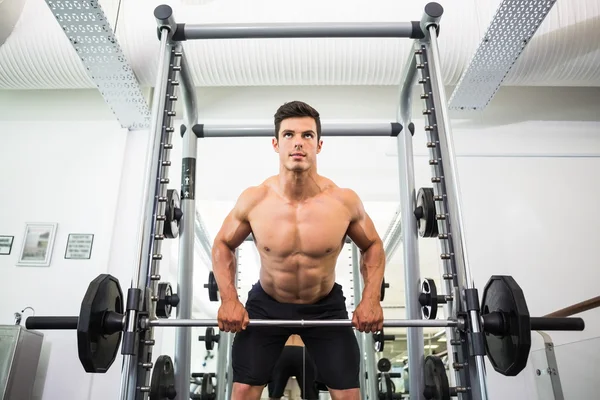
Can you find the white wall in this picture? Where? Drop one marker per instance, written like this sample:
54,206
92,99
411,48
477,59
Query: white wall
68,162
527,171
69,174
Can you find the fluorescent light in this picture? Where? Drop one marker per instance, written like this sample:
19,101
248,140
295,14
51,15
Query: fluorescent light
442,339
431,346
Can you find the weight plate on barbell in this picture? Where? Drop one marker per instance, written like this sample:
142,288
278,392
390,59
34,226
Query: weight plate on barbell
162,383
163,306
213,288
210,338
508,353
384,286
173,214
435,379
428,299
426,222
97,348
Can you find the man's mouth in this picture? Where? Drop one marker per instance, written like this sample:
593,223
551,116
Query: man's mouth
297,155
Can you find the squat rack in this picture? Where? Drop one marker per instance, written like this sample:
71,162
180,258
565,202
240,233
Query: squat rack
173,72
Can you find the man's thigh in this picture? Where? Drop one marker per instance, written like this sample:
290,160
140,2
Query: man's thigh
336,355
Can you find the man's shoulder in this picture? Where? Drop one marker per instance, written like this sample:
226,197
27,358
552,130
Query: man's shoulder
253,195
346,195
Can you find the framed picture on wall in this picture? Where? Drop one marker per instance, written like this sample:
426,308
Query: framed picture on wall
79,246
6,243
38,243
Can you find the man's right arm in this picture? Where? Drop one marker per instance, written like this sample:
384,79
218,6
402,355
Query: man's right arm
233,232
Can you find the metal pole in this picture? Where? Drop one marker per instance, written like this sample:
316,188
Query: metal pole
229,387
185,277
452,185
369,373
224,367
141,273
328,129
415,343
302,30
357,285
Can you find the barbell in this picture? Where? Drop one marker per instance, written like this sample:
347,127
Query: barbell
505,319
101,322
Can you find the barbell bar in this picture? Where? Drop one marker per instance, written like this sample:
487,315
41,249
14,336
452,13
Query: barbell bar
115,322
303,323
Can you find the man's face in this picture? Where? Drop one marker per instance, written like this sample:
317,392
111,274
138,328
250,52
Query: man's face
298,145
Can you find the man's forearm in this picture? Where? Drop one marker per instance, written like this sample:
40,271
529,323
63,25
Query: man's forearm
372,268
224,267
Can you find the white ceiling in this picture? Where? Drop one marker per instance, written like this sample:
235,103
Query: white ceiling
37,54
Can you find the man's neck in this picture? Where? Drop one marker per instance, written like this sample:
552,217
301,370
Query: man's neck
298,186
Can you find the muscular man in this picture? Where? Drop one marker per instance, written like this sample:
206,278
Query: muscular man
294,361
299,220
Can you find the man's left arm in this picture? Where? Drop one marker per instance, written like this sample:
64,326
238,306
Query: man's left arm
368,315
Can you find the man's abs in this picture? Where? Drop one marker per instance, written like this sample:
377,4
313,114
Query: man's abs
291,282
299,245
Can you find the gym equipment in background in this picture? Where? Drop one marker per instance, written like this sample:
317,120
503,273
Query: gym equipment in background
102,326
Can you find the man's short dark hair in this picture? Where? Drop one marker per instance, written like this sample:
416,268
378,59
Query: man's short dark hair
296,109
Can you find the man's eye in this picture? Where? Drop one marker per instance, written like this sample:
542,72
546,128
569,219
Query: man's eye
308,135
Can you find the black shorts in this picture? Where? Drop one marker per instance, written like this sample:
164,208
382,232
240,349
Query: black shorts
294,361
333,349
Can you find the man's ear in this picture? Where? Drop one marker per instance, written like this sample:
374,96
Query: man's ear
319,146
275,143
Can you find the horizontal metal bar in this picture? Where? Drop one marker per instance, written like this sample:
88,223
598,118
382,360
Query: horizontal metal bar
390,323
302,30
328,129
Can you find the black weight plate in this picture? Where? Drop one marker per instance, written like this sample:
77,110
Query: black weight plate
429,292
508,353
162,383
384,365
427,224
97,350
383,287
163,293
435,379
210,338
213,288
207,389
173,215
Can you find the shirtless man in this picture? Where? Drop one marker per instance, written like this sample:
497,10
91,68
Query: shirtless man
299,221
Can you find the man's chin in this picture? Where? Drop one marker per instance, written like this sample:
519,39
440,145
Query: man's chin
297,168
